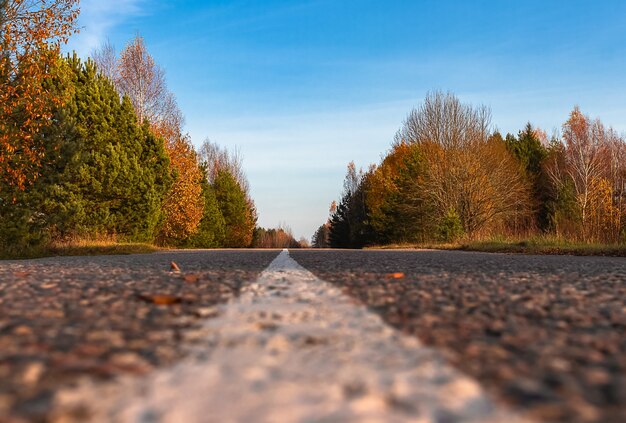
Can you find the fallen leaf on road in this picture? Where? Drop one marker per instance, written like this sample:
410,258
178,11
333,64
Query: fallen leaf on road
160,299
21,274
174,267
191,278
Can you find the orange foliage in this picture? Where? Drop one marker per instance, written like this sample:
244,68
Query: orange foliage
184,205
604,216
31,35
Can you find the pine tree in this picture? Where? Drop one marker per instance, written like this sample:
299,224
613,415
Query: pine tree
238,214
210,232
104,175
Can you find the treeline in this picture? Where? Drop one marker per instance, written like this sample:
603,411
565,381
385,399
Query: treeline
449,176
281,237
95,149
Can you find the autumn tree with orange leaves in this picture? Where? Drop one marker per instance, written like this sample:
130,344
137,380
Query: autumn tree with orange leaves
184,205
31,34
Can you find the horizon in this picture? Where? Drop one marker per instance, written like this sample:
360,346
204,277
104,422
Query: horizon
303,88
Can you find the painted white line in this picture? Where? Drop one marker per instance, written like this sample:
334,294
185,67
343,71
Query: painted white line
293,348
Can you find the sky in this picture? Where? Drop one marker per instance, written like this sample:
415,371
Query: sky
301,88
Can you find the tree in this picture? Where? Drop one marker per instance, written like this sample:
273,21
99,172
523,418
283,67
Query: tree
529,150
587,167
105,58
103,175
137,76
31,33
321,237
211,230
184,206
239,217
348,224
467,172
217,159
281,237
143,81
585,147
399,209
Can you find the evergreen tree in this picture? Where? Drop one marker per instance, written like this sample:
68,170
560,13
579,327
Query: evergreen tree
349,226
238,214
210,233
116,172
321,237
339,234
531,155
104,175
399,209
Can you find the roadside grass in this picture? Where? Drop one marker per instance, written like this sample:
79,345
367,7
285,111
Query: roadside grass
539,245
77,248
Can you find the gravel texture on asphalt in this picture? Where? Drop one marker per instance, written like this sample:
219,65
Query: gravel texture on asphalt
292,348
545,334
65,319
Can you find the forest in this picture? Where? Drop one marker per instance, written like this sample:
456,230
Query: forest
95,150
450,176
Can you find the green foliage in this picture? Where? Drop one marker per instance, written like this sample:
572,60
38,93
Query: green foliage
321,237
527,149
211,231
450,228
103,174
531,154
349,227
238,213
114,173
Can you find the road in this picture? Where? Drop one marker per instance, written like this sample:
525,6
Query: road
349,336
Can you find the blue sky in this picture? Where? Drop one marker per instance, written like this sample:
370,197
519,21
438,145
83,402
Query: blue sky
303,87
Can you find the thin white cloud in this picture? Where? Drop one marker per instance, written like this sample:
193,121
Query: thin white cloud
98,18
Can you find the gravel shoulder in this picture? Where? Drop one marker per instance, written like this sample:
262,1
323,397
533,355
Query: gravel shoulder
69,318
545,334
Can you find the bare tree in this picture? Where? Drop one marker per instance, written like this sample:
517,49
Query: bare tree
105,58
143,81
585,147
218,158
444,120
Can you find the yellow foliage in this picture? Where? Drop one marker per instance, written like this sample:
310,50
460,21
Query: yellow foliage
184,205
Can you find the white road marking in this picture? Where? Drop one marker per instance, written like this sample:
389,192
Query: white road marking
293,348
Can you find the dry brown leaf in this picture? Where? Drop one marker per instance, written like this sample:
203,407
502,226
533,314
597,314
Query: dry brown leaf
161,299
191,278
21,274
174,267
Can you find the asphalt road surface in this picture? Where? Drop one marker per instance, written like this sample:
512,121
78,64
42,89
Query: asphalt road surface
367,336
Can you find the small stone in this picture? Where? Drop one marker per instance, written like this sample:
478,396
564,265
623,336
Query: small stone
131,362
33,372
278,343
206,312
597,376
22,330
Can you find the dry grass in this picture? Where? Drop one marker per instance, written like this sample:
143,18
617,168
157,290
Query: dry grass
78,247
535,245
